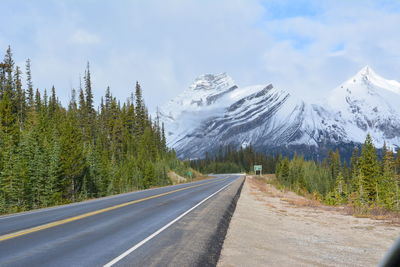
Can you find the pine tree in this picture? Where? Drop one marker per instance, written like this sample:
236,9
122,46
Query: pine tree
9,66
384,151
19,98
334,163
340,189
72,106
82,115
29,84
53,102
45,102
38,101
72,158
284,171
387,187
370,170
88,92
9,128
11,180
163,138
55,173
89,108
140,111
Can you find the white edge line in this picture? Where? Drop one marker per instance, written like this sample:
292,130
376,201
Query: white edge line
141,243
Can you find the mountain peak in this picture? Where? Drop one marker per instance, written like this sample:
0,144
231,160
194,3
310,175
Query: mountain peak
369,76
366,72
216,82
365,84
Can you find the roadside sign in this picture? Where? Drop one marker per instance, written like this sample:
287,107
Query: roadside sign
258,168
190,174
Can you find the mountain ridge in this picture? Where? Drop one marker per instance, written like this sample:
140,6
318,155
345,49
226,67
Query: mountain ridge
214,111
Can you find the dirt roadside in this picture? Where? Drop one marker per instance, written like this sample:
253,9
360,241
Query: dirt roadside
274,228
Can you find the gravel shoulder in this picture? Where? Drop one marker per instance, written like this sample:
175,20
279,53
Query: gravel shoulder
275,228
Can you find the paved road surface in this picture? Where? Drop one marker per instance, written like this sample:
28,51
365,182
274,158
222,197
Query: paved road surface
164,226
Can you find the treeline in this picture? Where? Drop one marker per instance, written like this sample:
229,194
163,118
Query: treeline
50,154
229,160
367,182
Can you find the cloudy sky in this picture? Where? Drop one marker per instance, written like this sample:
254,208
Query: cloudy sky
301,46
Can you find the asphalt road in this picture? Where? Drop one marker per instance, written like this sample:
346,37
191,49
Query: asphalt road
166,226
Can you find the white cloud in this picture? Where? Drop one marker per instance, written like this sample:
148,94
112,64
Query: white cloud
365,33
81,36
166,44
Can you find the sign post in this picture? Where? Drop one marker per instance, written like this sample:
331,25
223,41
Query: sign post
258,168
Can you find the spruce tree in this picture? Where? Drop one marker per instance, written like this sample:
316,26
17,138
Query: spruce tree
30,94
9,127
11,182
52,102
72,158
72,106
9,67
334,163
89,108
370,170
387,187
340,189
140,110
88,92
19,98
38,101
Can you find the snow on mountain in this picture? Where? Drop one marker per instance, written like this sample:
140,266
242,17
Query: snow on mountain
368,103
215,111
207,97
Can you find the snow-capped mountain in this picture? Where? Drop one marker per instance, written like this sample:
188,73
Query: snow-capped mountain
369,103
215,111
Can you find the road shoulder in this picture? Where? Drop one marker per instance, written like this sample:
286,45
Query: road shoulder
273,228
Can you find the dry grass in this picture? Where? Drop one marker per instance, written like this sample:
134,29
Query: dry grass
176,178
268,184
303,202
376,213
198,175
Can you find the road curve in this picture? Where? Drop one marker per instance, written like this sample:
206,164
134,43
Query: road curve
132,229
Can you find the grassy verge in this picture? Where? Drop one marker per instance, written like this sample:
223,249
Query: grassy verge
315,200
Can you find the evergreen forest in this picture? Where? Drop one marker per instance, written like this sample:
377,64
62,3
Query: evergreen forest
230,160
52,154
369,181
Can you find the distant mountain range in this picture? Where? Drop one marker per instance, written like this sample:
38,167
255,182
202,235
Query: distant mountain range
215,111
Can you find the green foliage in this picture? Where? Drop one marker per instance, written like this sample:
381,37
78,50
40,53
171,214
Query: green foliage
52,155
368,182
388,186
229,160
370,171
339,195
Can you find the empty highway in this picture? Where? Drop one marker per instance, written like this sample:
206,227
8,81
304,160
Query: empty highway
160,227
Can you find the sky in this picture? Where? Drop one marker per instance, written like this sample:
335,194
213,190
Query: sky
305,47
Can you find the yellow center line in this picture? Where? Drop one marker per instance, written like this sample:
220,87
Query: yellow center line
88,214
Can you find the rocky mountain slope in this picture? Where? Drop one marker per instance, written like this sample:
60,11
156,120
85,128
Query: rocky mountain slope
215,111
